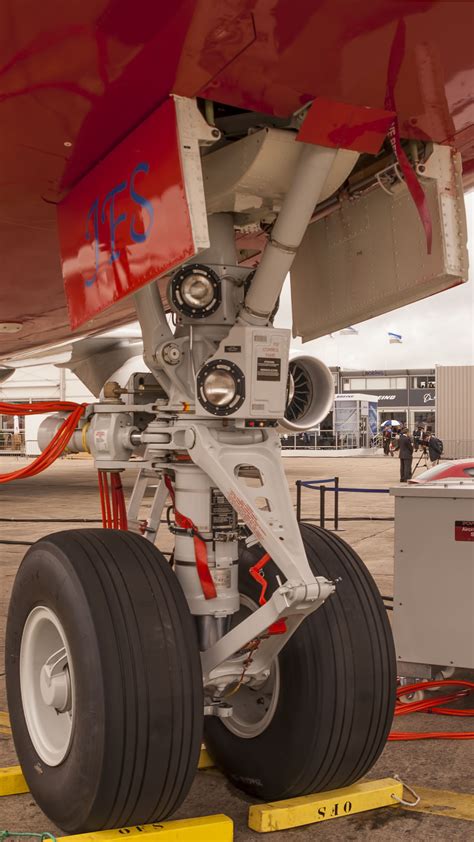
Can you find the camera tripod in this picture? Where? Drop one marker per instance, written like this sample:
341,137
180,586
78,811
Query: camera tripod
423,456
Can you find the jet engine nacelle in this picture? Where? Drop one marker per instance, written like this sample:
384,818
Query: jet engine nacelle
310,394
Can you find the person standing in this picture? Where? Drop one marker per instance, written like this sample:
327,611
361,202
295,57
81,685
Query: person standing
387,438
405,448
418,436
435,448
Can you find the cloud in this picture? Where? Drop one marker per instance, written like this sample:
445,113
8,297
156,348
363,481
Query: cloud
436,331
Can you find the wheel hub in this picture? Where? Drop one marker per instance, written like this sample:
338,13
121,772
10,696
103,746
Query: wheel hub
253,708
254,701
47,685
55,682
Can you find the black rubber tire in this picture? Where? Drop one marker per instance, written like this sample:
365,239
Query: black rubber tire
337,685
139,700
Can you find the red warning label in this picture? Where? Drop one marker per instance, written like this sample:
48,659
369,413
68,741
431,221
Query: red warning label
464,530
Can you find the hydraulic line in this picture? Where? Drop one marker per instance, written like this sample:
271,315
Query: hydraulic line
112,500
114,514
312,169
58,443
49,520
436,706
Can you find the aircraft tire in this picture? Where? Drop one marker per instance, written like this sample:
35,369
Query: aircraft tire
105,612
322,718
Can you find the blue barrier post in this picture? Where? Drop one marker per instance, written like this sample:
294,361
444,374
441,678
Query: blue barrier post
336,503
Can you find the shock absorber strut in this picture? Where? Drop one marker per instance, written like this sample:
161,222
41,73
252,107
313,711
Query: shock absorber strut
207,538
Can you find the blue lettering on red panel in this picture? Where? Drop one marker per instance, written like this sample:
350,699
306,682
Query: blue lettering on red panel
108,216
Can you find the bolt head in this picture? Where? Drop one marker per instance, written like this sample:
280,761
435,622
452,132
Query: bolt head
171,353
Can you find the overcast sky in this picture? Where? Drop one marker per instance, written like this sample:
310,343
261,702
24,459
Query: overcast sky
436,331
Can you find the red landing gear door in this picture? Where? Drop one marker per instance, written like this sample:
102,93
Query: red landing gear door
138,214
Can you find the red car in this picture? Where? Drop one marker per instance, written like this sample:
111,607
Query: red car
457,469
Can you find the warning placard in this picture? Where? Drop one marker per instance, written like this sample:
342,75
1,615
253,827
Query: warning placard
464,530
268,368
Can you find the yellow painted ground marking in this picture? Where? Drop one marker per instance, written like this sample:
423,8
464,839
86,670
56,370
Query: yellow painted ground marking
206,829
337,803
12,781
454,805
205,760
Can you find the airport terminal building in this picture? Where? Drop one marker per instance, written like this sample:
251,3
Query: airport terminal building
407,395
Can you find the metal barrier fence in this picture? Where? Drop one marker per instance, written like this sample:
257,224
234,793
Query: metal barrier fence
322,486
322,440
11,442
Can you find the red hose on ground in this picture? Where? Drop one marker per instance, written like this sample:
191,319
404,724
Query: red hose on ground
435,706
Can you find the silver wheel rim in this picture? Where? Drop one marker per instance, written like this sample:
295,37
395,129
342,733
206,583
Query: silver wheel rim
254,707
47,685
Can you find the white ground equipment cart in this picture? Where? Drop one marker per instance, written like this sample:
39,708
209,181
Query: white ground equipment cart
433,618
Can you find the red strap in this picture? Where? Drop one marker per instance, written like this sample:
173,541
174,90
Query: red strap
279,626
207,582
257,576
200,549
397,53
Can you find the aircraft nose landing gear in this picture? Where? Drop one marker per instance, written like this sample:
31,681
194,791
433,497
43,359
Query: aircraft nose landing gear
113,657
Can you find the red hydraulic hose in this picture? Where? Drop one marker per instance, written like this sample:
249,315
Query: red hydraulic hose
112,500
100,478
118,501
57,444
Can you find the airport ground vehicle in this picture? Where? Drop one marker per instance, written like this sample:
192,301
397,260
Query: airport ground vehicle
447,471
